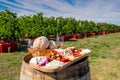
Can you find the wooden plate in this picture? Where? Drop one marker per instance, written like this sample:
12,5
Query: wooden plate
44,69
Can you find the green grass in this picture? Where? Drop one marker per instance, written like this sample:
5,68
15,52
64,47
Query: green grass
104,61
10,64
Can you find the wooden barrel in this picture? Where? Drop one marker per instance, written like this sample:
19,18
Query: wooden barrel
77,71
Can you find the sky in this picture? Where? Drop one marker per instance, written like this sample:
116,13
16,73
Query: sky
107,11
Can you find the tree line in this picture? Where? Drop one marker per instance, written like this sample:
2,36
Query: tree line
37,25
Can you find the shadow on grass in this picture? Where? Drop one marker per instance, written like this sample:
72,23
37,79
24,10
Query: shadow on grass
73,40
22,48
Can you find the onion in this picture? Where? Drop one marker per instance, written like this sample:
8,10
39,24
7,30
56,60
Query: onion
43,62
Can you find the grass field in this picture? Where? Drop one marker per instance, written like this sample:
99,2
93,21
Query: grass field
104,61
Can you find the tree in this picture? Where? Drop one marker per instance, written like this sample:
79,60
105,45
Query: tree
93,26
8,21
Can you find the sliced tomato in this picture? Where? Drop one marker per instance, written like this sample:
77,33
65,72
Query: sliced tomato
76,54
64,59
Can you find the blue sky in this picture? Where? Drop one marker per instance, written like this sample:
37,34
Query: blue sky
96,10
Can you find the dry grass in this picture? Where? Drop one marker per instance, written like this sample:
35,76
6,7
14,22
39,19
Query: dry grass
105,69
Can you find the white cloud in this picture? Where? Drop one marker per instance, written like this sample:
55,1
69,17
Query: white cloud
96,10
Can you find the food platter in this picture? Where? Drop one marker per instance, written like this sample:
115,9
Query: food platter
46,69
